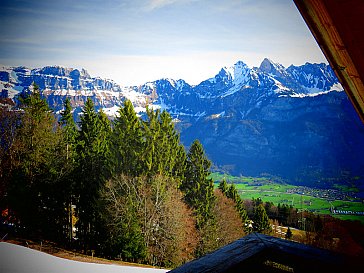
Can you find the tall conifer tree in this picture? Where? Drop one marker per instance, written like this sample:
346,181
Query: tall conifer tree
127,141
223,186
34,192
171,151
92,171
260,220
198,192
198,189
69,129
151,132
232,193
70,134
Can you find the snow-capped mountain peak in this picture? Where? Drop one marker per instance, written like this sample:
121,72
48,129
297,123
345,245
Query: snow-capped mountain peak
275,69
237,70
235,73
228,81
314,78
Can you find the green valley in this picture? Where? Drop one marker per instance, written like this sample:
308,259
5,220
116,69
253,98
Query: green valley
340,198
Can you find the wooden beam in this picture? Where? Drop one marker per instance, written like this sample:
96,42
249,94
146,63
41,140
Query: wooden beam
336,37
263,253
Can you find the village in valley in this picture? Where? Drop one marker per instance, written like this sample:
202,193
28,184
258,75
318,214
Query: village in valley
339,201
329,194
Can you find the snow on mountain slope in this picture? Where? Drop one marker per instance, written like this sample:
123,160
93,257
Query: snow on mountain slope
178,97
272,68
19,259
240,74
56,83
313,78
237,84
8,83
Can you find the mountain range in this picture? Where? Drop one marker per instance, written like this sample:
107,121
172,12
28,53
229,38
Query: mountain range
295,123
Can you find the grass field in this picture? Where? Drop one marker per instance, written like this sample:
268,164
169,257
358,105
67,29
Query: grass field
268,191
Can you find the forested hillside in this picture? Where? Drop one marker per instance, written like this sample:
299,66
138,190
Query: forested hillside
124,189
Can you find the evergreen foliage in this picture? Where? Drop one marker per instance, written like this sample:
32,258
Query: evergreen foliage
288,234
223,186
127,142
129,185
125,238
36,193
198,192
70,135
197,187
260,220
70,132
92,171
232,193
9,122
146,147
163,152
171,152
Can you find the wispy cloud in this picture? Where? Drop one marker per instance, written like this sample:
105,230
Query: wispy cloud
140,40
157,4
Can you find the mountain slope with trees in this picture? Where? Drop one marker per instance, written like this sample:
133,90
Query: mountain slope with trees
125,189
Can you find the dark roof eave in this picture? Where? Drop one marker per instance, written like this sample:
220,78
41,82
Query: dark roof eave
335,25
253,252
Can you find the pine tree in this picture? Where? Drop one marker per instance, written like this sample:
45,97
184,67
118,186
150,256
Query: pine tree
180,163
198,192
103,144
198,189
92,170
163,152
33,104
70,135
9,122
69,129
35,191
127,142
223,186
151,132
288,234
243,214
170,147
232,193
261,221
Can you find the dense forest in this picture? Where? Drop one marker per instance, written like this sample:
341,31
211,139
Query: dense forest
123,189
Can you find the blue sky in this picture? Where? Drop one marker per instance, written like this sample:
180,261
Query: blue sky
136,41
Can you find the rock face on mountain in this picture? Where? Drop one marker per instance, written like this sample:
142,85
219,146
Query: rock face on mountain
292,122
57,83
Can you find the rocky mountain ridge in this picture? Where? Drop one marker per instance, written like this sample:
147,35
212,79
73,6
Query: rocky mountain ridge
57,83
